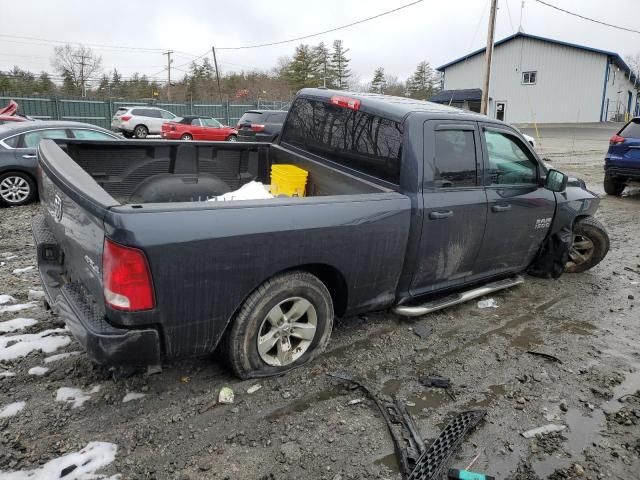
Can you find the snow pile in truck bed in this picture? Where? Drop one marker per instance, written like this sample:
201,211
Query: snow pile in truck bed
249,191
80,465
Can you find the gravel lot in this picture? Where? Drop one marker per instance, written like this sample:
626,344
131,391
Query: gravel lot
301,425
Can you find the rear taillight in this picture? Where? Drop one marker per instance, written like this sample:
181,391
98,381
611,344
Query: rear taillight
256,127
616,140
125,118
345,102
126,278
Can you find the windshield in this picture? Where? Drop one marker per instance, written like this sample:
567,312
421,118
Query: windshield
211,122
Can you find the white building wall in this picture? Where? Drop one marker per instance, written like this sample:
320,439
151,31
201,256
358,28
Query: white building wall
569,84
617,96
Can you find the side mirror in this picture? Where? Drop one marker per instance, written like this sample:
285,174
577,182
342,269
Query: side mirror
556,181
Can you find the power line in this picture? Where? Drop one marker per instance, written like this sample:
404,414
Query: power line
587,18
321,33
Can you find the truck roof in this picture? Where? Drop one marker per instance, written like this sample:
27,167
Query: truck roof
393,107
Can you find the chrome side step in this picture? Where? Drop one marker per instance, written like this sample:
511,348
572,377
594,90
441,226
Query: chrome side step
455,299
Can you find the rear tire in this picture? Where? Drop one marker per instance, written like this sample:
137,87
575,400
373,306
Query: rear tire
16,189
140,131
127,134
285,323
186,137
612,187
590,245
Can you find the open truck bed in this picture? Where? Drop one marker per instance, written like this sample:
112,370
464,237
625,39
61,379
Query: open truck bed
204,258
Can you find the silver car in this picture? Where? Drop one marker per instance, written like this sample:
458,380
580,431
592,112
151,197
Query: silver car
140,121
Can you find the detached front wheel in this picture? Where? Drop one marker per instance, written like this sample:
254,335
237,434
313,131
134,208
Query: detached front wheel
590,245
285,323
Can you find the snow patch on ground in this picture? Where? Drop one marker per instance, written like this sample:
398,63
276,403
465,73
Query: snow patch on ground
75,396
16,324
6,299
60,356
132,396
11,409
7,374
81,465
17,308
35,295
38,371
16,346
18,271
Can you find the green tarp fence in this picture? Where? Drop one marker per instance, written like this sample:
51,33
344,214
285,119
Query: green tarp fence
100,111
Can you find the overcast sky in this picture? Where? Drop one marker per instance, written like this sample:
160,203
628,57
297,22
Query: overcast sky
434,30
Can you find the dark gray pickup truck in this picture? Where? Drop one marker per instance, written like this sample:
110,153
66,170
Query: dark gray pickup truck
409,205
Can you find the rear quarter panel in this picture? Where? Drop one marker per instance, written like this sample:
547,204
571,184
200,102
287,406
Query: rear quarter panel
206,261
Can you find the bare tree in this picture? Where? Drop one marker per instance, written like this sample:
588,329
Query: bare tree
76,65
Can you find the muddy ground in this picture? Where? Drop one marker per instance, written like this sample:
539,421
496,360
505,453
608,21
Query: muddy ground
302,426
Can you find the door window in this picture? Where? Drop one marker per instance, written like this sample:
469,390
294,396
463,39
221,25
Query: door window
509,162
211,122
32,139
84,134
455,159
195,122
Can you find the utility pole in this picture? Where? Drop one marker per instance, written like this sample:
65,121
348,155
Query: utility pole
215,63
83,64
169,61
488,56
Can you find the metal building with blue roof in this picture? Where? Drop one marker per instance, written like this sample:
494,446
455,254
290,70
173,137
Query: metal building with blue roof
538,79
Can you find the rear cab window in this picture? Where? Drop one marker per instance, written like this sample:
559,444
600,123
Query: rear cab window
631,129
366,143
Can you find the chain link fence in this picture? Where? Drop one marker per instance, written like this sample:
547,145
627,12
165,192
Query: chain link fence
100,111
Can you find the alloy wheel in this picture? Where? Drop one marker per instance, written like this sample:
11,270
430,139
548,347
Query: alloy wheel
14,189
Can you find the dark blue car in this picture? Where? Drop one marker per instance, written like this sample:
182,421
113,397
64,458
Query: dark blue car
622,163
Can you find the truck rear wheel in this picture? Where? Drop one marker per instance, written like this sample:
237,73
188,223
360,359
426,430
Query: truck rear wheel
590,245
285,323
612,187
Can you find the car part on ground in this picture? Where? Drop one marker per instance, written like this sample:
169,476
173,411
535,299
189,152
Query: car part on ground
408,445
622,161
433,462
456,298
589,246
283,324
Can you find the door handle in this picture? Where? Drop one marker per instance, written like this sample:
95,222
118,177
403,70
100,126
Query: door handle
505,207
28,155
440,215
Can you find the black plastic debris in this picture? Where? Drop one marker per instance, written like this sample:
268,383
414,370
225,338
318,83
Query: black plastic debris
433,462
544,355
423,331
439,382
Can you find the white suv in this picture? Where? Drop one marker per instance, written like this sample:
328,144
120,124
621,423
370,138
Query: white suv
140,121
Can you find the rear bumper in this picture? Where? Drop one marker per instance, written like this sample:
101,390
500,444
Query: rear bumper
254,137
622,172
104,343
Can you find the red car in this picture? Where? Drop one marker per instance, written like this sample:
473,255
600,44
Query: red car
195,127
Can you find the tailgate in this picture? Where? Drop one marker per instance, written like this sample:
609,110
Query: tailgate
72,230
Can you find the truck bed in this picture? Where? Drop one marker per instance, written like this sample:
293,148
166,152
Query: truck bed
139,172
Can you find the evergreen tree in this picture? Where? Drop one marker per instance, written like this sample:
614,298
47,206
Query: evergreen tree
339,66
116,83
303,69
321,59
45,84
421,85
379,82
104,87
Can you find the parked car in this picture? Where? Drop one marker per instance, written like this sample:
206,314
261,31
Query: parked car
260,125
139,122
196,127
18,144
622,162
407,204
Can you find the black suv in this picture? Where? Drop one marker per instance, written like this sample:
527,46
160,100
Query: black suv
260,125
